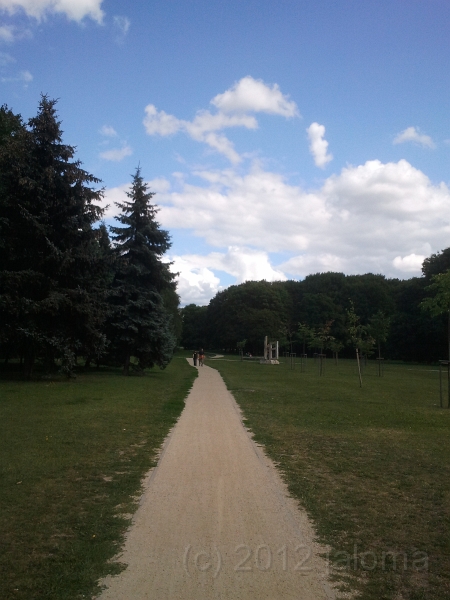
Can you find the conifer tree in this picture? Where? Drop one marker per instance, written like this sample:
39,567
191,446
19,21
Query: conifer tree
140,325
50,263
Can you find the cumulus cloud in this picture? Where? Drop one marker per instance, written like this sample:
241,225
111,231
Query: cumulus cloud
195,285
409,264
318,146
411,134
253,95
117,154
376,217
158,122
75,10
246,96
197,282
358,221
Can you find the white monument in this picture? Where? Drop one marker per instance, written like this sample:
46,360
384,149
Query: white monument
270,353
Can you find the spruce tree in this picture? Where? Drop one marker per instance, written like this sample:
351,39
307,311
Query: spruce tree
141,325
51,264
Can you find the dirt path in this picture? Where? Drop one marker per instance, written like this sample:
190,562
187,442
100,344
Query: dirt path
215,521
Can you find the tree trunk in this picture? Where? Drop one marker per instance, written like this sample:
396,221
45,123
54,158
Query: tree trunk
359,368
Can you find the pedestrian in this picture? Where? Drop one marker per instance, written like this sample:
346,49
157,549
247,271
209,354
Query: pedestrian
201,357
195,358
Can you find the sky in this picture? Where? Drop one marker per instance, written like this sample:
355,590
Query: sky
280,138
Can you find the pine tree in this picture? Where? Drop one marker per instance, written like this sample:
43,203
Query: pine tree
141,325
50,262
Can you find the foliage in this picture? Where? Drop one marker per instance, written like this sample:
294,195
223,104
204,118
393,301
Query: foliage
358,334
140,324
322,338
305,336
436,263
194,326
439,303
52,269
248,311
389,308
241,345
379,325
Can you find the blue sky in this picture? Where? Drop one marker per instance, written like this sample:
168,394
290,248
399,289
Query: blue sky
281,139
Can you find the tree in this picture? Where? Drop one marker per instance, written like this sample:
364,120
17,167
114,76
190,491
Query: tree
358,336
439,303
323,338
194,326
379,328
335,347
436,263
140,324
50,264
248,311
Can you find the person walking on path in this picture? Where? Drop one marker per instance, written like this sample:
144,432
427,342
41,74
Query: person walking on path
201,357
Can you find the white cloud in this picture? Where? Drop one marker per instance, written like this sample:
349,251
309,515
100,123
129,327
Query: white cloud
313,263
248,95
157,122
197,282
253,95
318,146
409,264
202,129
117,154
75,10
376,217
195,285
108,131
359,221
411,134
119,194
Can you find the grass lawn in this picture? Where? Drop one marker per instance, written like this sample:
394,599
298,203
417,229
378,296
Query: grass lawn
370,465
72,455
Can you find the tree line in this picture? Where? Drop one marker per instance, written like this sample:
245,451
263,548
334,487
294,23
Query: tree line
328,312
69,288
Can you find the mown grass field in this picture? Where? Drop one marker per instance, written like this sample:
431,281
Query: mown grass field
72,455
370,465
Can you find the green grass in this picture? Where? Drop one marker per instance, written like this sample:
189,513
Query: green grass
72,457
371,466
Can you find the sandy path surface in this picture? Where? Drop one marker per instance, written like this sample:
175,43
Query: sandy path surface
215,521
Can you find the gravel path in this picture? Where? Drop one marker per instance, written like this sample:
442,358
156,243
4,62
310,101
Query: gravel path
215,521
